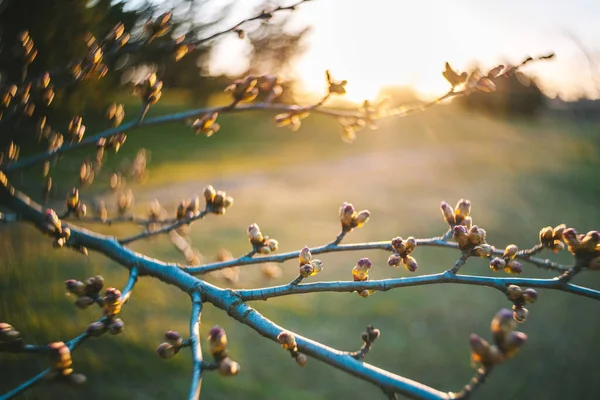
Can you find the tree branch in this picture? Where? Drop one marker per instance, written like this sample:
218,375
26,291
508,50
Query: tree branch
195,346
164,229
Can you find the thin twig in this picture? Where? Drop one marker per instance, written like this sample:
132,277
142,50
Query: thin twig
164,229
500,283
480,376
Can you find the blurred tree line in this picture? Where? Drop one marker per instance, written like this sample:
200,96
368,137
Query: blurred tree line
58,28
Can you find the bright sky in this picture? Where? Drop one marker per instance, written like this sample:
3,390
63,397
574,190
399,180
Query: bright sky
373,43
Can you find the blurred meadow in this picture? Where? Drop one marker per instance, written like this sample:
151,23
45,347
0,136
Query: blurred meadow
520,176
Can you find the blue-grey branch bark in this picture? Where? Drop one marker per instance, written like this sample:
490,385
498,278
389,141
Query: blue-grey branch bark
195,346
333,248
500,283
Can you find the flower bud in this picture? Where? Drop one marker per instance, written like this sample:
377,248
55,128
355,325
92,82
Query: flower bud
365,293
96,329
75,287
84,302
264,250
410,263
558,231
361,269
361,218
546,235
399,245
511,251
483,250
520,314
514,292
8,333
228,367
570,237
287,340
394,260
116,326
305,256
301,359
476,235
254,234
513,267
166,351
467,222
72,199
530,295
209,194
502,324
217,340
272,244
94,284
306,270
513,343
461,236
411,243
347,213
463,208
590,241
497,264
317,266
60,355
484,353
448,213
174,338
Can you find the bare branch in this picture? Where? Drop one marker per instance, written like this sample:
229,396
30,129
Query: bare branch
195,346
164,229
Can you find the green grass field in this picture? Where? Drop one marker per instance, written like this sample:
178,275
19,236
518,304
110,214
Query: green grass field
520,176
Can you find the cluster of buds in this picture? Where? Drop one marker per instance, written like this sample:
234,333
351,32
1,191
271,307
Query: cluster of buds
335,87
287,340
351,219
117,36
349,128
46,90
92,63
585,248
217,201
261,243
461,215
551,238
10,338
472,241
360,273
217,346
508,262
74,205
87,292
60,357
115,142
182,49
369,337
111,306
150,90
484,83
206,125
54,227
402,250
271,86
11,154
76,129
115,114
125,201
308,266
157,27
174,343
29,50
292,119
520,297
243,89
6,96
454,78
507,341
187,209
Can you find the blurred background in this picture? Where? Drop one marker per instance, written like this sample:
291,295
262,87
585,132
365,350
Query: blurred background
525,155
